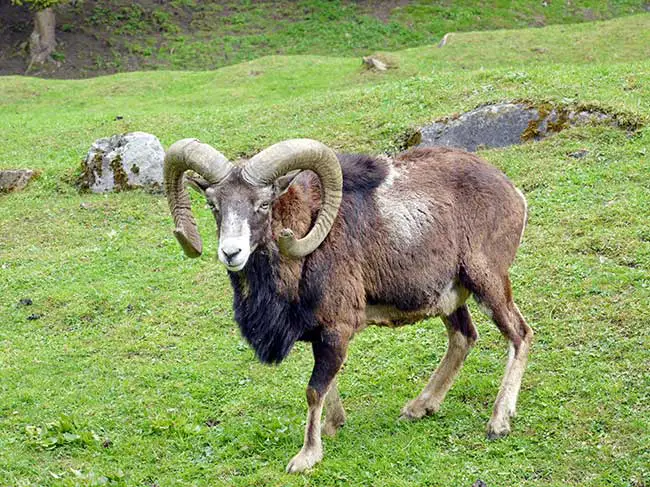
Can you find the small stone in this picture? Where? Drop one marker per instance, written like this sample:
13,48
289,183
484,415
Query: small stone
374,63
579,154
34,316
445,40
479,483
15,179
25,302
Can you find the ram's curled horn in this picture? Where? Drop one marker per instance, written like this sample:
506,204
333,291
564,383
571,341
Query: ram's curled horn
207,162
306,154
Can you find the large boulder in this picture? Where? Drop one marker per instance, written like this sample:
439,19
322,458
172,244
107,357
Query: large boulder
121,162
15,179
505,124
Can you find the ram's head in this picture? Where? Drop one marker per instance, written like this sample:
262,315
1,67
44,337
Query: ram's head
241,196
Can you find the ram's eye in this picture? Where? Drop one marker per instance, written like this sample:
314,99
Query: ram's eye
265,206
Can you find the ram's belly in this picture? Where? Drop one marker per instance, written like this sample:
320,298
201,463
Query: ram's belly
386,315
442,303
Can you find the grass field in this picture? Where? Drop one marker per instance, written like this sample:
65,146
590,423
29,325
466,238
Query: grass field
135,373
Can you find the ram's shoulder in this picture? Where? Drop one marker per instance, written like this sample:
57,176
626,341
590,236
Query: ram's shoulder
363,173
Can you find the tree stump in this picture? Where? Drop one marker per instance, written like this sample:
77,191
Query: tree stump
42,41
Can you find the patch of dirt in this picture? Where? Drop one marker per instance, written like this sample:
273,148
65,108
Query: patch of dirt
85,46
589,14
87,41
539,20
382,9
15,27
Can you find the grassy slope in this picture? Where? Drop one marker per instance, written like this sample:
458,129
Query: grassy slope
138,343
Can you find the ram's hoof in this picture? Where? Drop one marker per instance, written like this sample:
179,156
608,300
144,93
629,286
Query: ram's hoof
304,460
498,429
416,409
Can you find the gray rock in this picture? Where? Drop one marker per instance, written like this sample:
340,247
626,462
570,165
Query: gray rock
489,126
15,179
374,63
504,124
121,162
579,154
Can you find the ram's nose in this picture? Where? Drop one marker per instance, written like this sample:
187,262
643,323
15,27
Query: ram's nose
230,252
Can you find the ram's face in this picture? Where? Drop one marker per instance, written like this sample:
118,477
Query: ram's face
243,216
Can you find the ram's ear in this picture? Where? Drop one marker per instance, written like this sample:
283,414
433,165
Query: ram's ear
196,182
281,185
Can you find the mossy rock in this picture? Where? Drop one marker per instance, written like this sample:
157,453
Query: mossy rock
509,123
123,162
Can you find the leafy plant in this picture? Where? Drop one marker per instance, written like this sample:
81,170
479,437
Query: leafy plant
62,432
80,478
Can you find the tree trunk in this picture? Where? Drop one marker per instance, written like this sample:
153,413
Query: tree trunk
42,41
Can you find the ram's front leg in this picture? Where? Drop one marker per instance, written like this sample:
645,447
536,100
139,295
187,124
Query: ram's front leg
329,355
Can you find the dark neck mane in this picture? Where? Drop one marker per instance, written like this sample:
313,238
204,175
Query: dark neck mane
268,319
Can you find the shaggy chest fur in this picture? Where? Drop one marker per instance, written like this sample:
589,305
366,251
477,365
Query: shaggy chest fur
269,319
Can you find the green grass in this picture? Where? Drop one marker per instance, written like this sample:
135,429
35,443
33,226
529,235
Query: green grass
136,348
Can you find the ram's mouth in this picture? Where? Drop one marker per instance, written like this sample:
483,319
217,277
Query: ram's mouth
235,268
235,264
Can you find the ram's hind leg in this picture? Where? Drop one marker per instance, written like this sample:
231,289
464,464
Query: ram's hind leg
462,336
334,412
496,301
